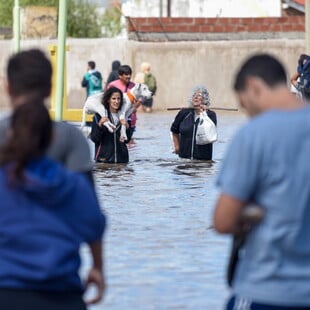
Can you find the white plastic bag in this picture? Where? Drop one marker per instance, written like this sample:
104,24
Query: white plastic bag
206,131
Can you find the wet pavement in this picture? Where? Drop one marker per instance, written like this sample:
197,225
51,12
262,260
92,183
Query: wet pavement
161,252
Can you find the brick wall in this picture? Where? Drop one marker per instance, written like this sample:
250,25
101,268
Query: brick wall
174,29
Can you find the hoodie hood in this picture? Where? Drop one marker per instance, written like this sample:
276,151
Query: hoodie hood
47,182
115,65
97,74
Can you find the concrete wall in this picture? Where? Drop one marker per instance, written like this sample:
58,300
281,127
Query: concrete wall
178,66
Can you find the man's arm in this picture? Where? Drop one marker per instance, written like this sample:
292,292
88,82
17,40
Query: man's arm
84,81
227,214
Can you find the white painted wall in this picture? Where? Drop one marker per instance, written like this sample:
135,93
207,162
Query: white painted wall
204,8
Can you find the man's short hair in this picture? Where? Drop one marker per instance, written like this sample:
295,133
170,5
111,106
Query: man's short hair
263,66
92,64
124,69
29,72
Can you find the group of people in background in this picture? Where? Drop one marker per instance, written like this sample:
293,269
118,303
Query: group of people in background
120,77
109,148
119,80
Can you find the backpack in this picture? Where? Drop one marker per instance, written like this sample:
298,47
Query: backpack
150,81
303,84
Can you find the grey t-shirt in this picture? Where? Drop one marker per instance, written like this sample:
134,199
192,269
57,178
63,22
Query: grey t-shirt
268,163
69,146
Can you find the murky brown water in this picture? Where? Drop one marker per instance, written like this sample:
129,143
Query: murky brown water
160,251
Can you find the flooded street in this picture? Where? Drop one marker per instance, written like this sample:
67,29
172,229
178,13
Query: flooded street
161,252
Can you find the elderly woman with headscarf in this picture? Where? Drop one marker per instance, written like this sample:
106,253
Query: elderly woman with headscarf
185,125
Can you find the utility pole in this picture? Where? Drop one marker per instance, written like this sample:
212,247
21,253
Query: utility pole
307,28
61,54
168,8
160,8
16,26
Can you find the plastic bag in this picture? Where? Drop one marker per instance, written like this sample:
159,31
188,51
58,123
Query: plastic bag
206,131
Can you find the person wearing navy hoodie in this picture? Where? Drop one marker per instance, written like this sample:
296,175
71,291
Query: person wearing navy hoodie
46,213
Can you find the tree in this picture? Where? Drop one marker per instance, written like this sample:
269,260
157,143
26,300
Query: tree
6,9
111,22
83,20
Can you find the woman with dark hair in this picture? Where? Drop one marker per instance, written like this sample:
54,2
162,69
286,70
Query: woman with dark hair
46,213
108,147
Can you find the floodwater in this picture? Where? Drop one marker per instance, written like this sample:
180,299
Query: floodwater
161,252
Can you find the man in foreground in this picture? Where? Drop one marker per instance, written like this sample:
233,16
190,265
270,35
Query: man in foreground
267,164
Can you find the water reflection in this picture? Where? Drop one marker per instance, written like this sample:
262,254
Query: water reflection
161,252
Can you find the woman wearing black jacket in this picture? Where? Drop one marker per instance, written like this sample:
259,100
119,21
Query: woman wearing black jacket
108,147
185,125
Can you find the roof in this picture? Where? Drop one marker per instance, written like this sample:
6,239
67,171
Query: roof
298,5
301,2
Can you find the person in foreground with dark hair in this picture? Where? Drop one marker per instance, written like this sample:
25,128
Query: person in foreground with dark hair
108,146
29,75
267,164
47,212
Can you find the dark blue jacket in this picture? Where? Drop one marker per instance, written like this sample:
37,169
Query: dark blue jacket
43,222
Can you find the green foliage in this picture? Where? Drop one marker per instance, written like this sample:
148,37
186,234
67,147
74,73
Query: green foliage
6,9
6,13
111,22
83,20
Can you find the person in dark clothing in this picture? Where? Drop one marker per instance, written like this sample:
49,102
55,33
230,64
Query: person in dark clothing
114,73
108,147
185,125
